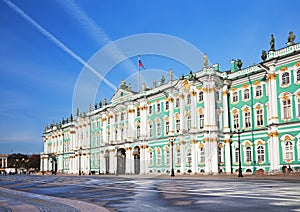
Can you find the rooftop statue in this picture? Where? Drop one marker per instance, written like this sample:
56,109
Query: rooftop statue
291,39
205,61
162,80
144,86
129,88
171,74
272,43
239,64
154,83
264,55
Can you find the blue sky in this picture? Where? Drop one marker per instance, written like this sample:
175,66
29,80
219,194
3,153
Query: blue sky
37,77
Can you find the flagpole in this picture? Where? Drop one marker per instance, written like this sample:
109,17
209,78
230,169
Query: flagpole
139,74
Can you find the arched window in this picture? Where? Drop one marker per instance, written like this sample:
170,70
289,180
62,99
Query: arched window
236,152
167,127
122,116
259,117
188,99
150,131
201,121
138,112
188,123
236,123
138,132
158,156
247,119
177,125
298,75
285,78
260,154
202,155
178,156
248,154
150,110
189,157
219,154
235,97
246,94
167,157
289,150
150,158
286,108
177,102
158,129
158,108
116,135
258,91
167,105
200,96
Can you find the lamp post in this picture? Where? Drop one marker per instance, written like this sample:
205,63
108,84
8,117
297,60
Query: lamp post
79,165
172,139
240,162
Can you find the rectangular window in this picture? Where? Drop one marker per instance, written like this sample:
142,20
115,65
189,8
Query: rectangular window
158,108
150,131
167,128
158,129
150,110
201,119
236,124
247,119
177,125
189,123
177,102
260,117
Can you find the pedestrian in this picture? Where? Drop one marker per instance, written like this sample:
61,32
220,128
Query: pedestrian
290,169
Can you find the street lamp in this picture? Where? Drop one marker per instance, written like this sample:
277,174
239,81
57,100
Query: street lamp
79,152
172,139
239,142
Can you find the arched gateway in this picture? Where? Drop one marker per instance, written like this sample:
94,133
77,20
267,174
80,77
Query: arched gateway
136,156
121,161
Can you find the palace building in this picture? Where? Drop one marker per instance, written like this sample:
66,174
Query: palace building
203,122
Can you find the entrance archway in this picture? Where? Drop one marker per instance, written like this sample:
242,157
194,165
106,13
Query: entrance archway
106,156
136,154
121,161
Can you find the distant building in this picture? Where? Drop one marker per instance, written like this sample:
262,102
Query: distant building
3,161
201,114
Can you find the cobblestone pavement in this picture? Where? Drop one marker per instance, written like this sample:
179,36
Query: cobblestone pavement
149,193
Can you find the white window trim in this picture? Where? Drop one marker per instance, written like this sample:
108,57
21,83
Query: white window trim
280,79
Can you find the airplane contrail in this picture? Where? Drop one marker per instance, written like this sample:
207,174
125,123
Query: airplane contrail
57,42
96,32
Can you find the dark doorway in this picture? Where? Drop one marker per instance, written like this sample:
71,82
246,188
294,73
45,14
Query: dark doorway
121,161
136,154
106,156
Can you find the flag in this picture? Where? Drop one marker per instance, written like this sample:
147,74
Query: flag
140,63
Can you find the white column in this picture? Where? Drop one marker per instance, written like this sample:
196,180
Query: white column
142,160
182,111
226,107
183,156
128,160
143,110
171,118
146,160
227,156
131,129
193,112
194,157
111,161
